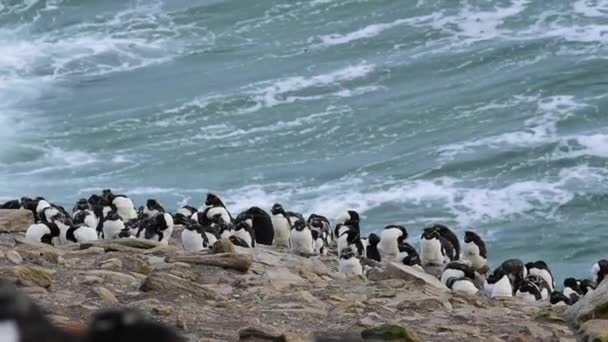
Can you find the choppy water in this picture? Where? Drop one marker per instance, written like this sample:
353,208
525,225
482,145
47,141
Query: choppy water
483,114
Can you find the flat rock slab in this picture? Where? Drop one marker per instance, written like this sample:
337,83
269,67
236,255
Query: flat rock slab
18,220
399,271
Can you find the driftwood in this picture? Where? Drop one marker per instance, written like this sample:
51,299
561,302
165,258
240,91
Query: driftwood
239,262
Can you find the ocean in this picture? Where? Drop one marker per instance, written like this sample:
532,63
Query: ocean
482,115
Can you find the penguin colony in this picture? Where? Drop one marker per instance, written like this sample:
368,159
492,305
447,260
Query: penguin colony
464,266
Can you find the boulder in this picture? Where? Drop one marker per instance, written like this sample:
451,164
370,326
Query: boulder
388,332
14,257
261,332
167,282
223,246
105,295
18,220
33,276
595,330
399,271
592,306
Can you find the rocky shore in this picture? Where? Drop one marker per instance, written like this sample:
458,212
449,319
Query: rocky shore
266,293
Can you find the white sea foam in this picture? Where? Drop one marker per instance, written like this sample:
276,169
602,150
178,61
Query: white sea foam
369,31
591,8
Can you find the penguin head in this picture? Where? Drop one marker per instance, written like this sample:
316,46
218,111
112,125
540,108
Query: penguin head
277,209
237,241
573,284
430,234
94,200
399,228
347,253
587,285
299,225
373,239
213,201
408,254
470,236
153,204
316,222
82,204
241,226
529,287
112,215
557,297
107,196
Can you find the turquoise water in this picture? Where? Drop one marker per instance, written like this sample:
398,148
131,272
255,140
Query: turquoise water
479,114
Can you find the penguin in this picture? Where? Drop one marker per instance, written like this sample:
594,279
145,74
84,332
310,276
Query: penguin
49,214
194,238
127,325
318,241
587,286
124,207
599,271
528,291
81,204
281,226
153,208
514,269
64,224
300,239
43,232
224,230
31,205
541,269
502,287
81,233
41,205
541,284
135,227
434,248
215,206
456,269
572,287
183,214
350,238
409,256
12,204
244,231
111,226
23,321
260,221
86,217
474,250
391,237
559,299
449,235
159,228
349,263
322,225
462,285
370,246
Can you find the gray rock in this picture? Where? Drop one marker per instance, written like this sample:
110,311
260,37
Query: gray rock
395,270
281,278
592,306
14,257
15,220
111,264
105,295
595,330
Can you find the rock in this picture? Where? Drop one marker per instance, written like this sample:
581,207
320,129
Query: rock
33,276
387,332
15,220
114,277
399,271
223,246
239,262
111,264
90,280
167,282
14,257
592,306
261,332
281,278
105,295
595,330
180,322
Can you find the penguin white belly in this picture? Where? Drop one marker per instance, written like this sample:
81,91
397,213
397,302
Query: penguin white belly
301,242
111,229
471,253
502,288
63,230
125,208
560,304
526,297
451,273
85,233
388,246
464,286
282,230
36,231
319,243
226,234
544,294
243,234
212,212
543,274
568,292
9,331
167,234
192,241
350,266
212,238
430,252
91,220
